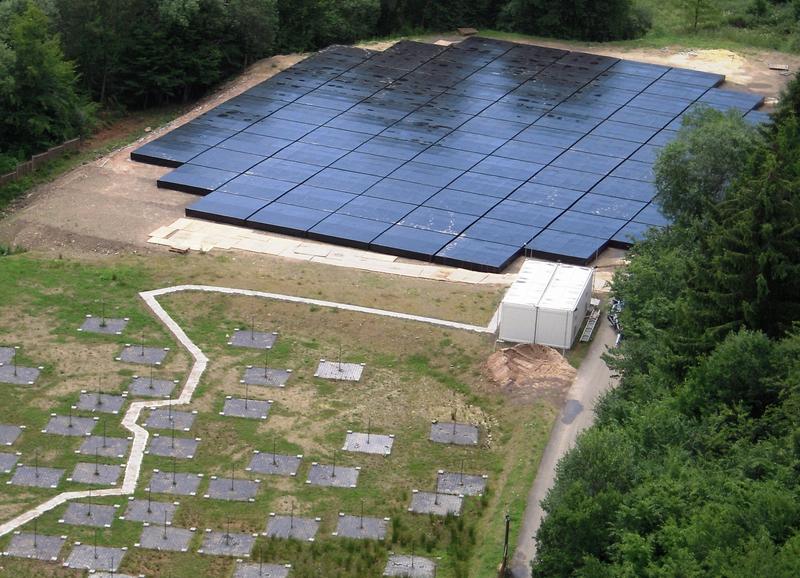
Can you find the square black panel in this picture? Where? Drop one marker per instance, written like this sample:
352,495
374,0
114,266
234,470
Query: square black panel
410,242
316,198
348,230
486,140
566,247
426,174
289,219
195,179
225,208
604,206
546,195
226,160
439,220
346,181
629,234
484,184
502,232
523,213
626,189
256,187
462,202
566,178
377,209
403,191
467,252
589,225
284,170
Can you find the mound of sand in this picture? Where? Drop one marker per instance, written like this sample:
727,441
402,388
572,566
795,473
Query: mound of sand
529,369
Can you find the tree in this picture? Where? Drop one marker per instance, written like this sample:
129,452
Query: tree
255,24
694,172
42,104
595,20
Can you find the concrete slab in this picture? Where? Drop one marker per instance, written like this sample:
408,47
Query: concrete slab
34,477
252,339
35,546
165,539
339,371
368,443
101,403
274,464
19,375
227,544
269,376
7,462
169,418
181,484
64,425
437,504
292,527
147,387
169,447
143,355
361,528
461,484
338,477
100,474
152,512
9,434
462,434
410,567
104,325
104,447
6,354
93,515
256,570
86,557
246,408
233,490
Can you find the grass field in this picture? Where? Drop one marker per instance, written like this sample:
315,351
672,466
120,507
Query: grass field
415,373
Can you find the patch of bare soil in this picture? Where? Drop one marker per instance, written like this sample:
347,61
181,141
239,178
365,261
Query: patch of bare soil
529,371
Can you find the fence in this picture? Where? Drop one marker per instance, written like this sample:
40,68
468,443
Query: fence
36,161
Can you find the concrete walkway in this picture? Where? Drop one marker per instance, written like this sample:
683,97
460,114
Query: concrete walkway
593,380
130,420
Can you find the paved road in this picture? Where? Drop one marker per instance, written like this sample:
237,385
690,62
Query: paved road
593,379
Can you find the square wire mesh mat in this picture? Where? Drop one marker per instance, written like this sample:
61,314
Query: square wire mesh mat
64,425
267,376
252,339
143,355
104,447
247,408
150,511
177,483
19,375
368,443
165,538
86,557
227,544
100,402
36,477
435,503
104,325
258,570
9,434
362,528
292,527
339,371
151,387
333,476
101,474
410,567
274,464
462,434
87,514
461,484
35,546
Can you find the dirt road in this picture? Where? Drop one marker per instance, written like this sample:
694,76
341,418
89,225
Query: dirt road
593,379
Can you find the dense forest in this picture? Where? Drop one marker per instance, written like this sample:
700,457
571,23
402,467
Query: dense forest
692,467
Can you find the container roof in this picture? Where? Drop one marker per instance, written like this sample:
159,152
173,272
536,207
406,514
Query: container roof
548,285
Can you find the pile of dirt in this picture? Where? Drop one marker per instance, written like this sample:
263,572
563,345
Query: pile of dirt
529,370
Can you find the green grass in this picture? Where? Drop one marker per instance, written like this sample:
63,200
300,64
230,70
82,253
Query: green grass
414,374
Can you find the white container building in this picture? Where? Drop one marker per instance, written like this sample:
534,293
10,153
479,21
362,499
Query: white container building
546,304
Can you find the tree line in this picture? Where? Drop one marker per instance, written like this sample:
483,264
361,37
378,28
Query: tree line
62,60
692,466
